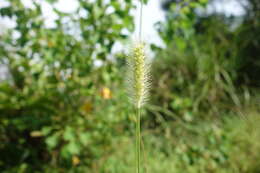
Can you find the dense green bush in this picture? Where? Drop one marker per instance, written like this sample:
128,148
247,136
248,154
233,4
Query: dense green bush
198,75
203,67
57,106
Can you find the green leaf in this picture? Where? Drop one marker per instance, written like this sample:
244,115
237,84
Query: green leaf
84,138
145,1
46,130
69,134
52,141
73,148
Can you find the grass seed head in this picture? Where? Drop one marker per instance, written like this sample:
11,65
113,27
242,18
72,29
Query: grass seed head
138,75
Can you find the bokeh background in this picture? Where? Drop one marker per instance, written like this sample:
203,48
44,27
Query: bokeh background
63,105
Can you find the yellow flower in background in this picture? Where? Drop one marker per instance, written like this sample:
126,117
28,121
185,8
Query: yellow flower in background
50,44
87,107
106,93
75,160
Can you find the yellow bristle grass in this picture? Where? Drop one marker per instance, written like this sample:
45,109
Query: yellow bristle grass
138,79
138,83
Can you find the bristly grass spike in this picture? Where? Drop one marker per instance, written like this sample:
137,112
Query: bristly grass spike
138,83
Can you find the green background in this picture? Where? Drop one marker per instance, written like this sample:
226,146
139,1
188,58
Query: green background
59,112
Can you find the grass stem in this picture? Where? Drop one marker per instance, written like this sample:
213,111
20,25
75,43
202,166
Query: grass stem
138,139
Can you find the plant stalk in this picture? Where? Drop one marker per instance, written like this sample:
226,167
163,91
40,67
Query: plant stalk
138,139
138,109
141,20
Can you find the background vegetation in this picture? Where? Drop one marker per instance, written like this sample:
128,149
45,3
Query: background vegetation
63,106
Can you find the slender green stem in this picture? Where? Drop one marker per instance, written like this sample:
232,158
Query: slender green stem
138,139
141,20
138,109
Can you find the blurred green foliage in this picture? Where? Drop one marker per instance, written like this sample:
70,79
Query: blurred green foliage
63,107
228,146
57,104
203,67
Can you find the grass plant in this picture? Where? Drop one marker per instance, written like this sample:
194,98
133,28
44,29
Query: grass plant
138,80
